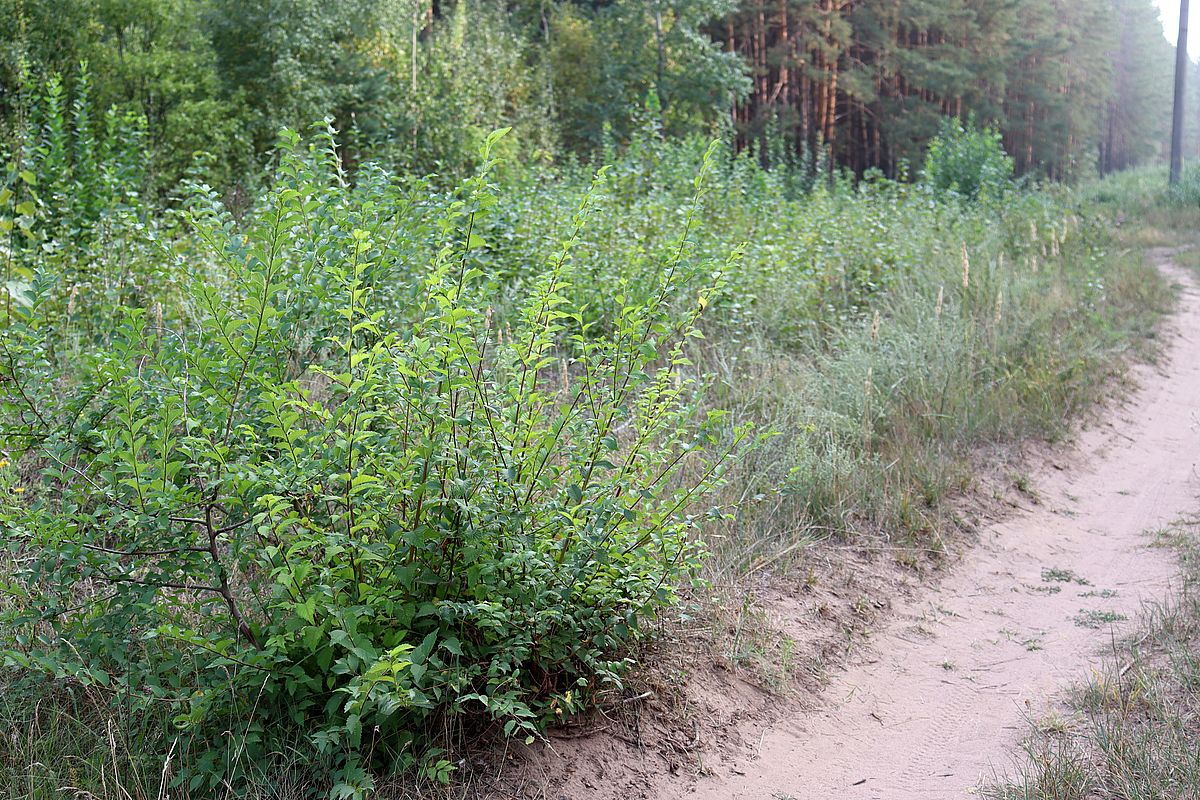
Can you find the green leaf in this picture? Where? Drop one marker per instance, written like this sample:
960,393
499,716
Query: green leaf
420,653
19,292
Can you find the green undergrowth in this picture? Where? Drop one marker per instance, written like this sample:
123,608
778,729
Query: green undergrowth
1148,213
1134,725
300,501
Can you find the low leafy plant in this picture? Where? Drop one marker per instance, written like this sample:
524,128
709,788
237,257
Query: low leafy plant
407,528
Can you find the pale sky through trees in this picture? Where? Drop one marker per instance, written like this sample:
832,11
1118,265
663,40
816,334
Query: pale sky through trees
1170,17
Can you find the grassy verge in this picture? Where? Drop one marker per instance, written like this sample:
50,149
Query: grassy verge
895,422
1135,730
1147,214
882,425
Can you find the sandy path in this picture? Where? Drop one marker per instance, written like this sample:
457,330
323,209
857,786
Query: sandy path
943,701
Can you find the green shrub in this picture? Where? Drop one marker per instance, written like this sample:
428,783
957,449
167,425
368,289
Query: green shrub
408,528
968,161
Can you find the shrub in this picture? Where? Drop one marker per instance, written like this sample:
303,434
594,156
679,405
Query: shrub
412,527
968,161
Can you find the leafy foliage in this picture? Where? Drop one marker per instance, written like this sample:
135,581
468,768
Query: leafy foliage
419,83
71,200
969,162
395,524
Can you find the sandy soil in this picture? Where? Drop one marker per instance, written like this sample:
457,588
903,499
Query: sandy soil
943,701
940,699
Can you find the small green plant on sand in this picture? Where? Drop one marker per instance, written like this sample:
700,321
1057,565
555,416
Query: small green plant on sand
1058,575
1098,619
